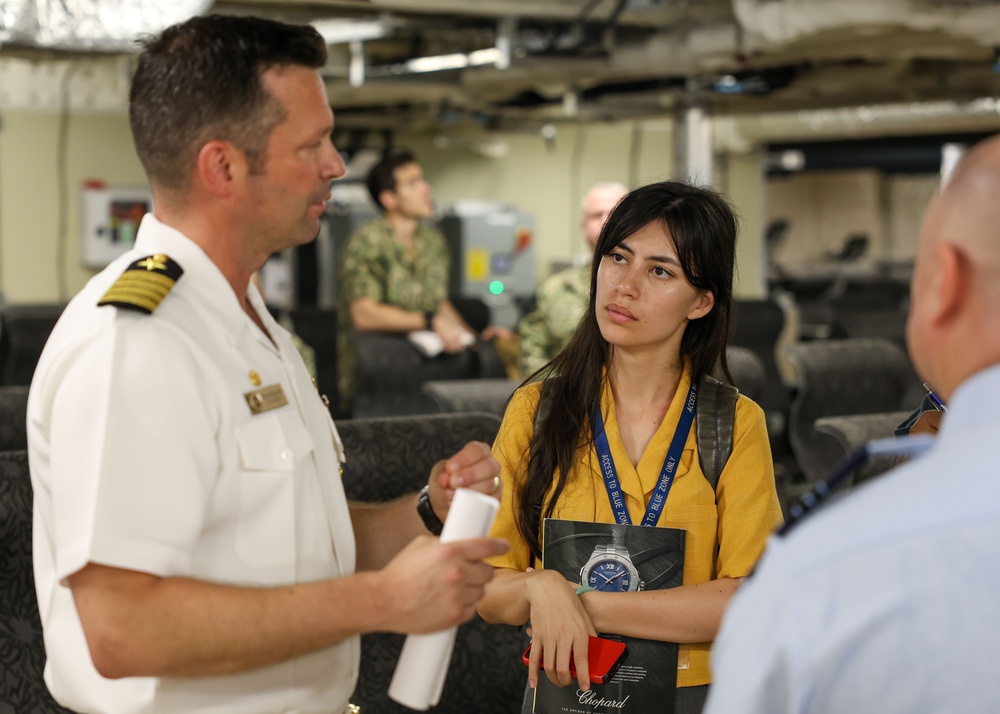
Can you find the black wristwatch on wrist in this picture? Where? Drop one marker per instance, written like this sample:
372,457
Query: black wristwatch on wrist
426,511
429,318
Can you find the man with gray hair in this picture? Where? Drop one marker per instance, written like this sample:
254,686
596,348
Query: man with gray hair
562,298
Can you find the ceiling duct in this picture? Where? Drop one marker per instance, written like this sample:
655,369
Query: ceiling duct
89,25
741,133
775,22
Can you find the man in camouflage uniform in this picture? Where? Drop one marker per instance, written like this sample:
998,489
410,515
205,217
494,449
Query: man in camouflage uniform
394,270
562,298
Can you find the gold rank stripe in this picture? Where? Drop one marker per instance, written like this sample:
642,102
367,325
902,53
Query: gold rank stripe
131,297
145,290
157,292
141,277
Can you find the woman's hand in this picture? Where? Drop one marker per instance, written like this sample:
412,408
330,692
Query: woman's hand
560,630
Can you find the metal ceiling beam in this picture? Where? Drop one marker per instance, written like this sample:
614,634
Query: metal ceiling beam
555,10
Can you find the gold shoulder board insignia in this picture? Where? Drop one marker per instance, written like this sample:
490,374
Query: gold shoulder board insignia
144,284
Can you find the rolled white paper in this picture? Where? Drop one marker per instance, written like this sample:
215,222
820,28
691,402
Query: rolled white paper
420,672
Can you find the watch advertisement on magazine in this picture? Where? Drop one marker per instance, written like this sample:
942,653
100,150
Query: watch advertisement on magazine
616,558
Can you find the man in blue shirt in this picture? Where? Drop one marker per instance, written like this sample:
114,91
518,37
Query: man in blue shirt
886,601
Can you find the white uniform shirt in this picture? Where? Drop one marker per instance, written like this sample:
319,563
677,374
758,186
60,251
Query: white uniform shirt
145,455
887,601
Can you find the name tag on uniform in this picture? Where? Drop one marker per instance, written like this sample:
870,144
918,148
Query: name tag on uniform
266,398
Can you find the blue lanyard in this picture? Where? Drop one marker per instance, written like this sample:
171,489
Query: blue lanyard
611,482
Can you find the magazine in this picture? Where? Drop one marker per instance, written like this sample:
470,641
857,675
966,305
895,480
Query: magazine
620,558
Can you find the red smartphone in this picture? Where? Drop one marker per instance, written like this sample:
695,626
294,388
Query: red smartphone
603,656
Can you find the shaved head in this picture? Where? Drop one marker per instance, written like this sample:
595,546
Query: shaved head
597,205
954,324
968,206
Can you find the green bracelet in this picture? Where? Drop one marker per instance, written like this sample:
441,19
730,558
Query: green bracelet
584,589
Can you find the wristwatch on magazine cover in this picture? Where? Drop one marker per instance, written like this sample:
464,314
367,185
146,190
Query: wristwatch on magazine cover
610,569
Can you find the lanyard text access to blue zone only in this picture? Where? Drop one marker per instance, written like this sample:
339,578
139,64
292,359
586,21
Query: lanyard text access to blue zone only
613,485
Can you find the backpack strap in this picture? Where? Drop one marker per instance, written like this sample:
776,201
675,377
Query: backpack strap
715,420
541,414
541,411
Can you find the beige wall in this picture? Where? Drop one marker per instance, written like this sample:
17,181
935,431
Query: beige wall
741,178
823,208
547,179
907,198
98,146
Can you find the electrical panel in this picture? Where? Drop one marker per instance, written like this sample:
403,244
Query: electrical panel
493,256
109,221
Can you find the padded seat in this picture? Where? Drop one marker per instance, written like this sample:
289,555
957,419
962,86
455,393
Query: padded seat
856,430
22,650
839,378
388,458
748,371
391,373
877,309
24,330
759,325
491,395
13,417
472,395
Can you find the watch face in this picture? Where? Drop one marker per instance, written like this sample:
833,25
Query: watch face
610,575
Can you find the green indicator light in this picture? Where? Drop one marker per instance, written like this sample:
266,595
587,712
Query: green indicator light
496,287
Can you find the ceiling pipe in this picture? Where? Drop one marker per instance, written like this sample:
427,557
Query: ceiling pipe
742,134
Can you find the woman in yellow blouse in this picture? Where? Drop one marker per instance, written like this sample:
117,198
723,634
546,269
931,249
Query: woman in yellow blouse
658,320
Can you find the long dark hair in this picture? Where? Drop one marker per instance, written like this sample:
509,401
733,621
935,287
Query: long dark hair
702,225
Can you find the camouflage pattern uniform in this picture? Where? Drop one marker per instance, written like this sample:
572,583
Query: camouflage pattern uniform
374,264
562,301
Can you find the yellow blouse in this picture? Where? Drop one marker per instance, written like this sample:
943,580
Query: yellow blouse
726,529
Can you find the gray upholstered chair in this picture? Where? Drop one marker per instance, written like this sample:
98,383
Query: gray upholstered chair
747,370
491,395
13,414
22,651
872,307
24,330
837,378
855,430
757,326
471,395
391,372
387,458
